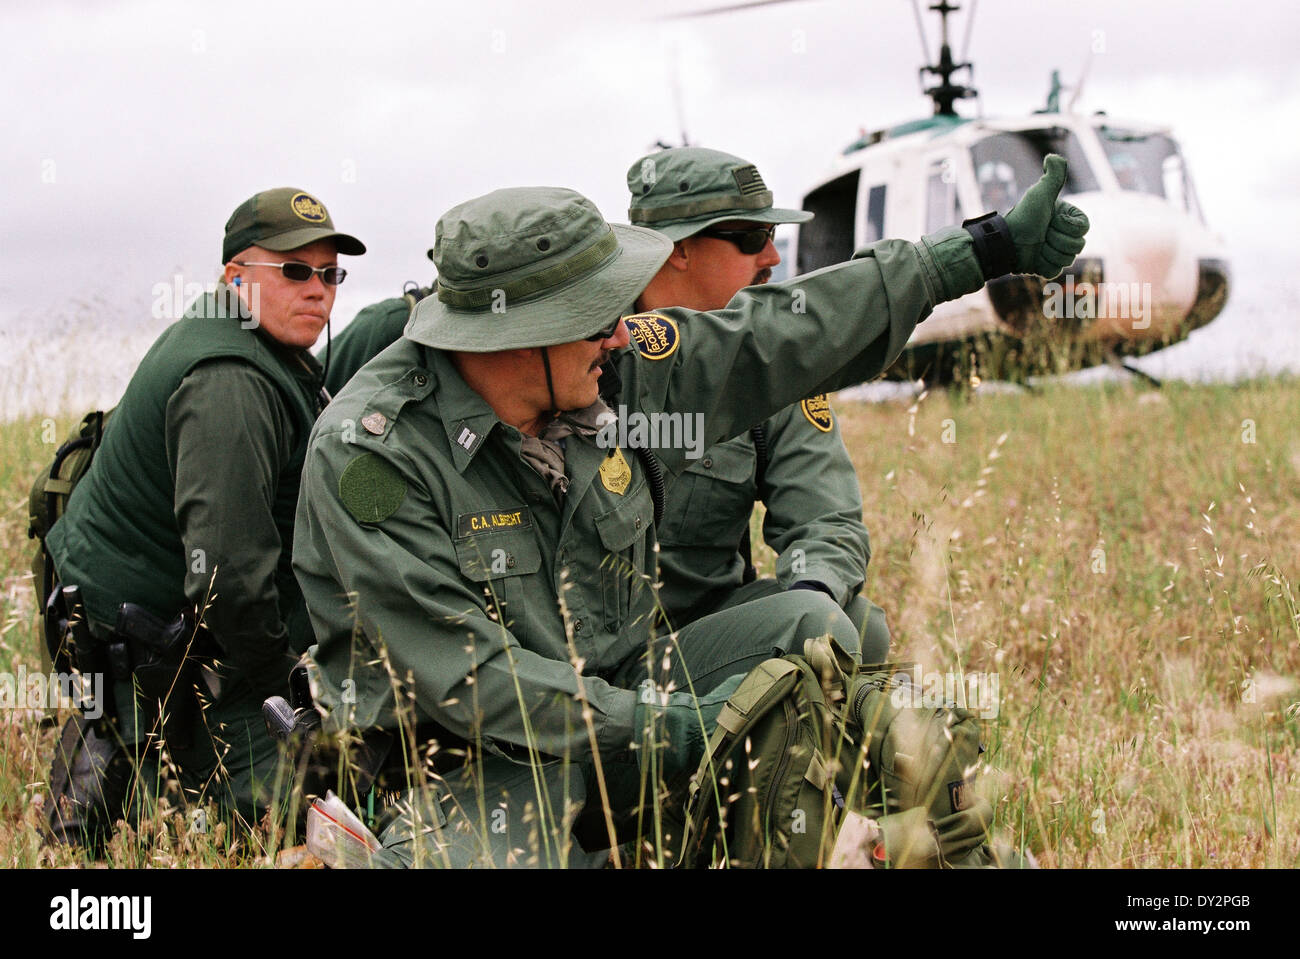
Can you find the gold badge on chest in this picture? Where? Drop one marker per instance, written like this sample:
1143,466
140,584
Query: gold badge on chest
615,474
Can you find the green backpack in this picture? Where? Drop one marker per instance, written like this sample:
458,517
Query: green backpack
814,764
49,501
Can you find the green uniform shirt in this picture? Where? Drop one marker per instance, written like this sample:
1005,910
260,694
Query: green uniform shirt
810,490
370,331
428,551
813,519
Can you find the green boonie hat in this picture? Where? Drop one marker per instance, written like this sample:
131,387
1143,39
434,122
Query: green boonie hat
283,219
681,191
531,266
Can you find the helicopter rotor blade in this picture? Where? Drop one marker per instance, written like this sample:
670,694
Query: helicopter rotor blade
710,11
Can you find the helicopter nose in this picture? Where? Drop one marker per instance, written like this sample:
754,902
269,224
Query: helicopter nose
1152,248
1150,267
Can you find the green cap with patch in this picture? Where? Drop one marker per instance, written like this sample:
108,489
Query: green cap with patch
280,220
531,266
681,191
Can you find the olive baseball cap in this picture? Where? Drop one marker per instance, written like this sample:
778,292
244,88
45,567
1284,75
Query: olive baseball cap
283,219
683,190
531,266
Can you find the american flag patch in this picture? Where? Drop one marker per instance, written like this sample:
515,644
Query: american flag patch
748,180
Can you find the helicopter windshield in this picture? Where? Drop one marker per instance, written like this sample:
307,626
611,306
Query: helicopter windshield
1149,163
1007,164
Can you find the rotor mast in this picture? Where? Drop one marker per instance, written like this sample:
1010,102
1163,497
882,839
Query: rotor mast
946,93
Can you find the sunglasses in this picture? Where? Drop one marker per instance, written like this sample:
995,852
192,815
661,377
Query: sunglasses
748,242
302,273
606,333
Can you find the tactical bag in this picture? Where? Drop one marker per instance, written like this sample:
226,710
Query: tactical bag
815,763
49,501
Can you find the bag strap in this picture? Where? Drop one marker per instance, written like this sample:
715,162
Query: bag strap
745,547
766,686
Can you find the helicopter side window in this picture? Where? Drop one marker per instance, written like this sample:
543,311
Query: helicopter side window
1008,164
942,208
875,214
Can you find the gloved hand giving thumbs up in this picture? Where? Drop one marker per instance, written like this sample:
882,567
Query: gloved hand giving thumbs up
1047,232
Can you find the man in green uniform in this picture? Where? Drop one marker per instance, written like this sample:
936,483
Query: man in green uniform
477,551
719,215
373,329
188,508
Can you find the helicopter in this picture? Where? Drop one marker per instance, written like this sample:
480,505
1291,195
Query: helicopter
1152,270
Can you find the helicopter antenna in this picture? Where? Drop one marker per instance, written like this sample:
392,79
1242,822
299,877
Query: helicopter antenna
675,78
920,29
945,93
1083,77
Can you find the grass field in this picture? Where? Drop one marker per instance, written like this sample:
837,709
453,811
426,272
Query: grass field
1122,561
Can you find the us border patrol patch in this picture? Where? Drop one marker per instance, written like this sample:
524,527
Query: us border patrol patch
308,208
656,337
371,488
818,411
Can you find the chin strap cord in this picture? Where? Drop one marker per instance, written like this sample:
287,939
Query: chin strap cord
550,388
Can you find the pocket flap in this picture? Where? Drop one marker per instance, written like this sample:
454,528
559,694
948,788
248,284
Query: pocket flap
626,523
732,462
493,556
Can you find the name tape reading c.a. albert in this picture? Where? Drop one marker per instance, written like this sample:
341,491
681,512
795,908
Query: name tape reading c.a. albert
492,521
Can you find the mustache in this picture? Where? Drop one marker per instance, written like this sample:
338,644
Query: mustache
762,276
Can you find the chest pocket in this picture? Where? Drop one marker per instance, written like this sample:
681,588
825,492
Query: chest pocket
498,563
710,503
623,531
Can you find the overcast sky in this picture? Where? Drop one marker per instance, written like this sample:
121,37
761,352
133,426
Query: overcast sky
134,129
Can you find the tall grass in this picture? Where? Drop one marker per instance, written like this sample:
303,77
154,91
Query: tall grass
1124,560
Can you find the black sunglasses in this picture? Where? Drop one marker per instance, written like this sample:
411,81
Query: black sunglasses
301,272
748,242
606,333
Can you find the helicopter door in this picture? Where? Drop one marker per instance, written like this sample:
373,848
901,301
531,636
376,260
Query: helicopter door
828,237
942,207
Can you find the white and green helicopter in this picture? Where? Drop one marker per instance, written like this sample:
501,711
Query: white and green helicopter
1152,270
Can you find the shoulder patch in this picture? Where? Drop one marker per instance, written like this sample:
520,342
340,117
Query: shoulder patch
655,336
371,488
817,410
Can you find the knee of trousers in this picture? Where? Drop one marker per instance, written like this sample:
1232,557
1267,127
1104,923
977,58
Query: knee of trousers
807,613
869,620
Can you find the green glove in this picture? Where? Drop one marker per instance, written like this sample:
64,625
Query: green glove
676,730
1047,232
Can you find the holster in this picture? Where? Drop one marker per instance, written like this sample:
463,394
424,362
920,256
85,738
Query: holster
149,667
72,644
164,658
